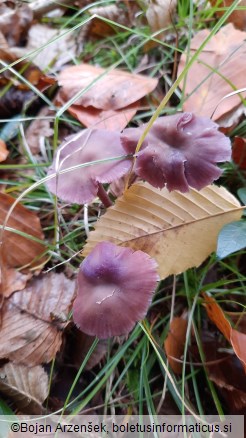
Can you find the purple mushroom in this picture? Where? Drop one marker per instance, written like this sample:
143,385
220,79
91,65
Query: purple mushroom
115,288
82,185
179,151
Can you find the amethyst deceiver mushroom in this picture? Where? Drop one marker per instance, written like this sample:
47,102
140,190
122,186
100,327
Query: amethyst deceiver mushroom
179,151
115,289
82,185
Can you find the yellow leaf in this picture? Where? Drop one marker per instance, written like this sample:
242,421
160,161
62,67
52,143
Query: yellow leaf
178,229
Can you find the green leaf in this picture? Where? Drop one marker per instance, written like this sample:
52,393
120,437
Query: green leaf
242,195
232,238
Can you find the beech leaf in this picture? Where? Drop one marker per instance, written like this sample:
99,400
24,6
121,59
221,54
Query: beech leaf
27,386
33,320
19,250
159,14
236,338
178,229
112,98
114,90
13,280
112,120
219,70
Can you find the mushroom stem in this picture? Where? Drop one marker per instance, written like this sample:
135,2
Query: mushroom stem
103,196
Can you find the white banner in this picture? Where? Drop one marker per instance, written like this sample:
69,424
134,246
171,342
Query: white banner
55,426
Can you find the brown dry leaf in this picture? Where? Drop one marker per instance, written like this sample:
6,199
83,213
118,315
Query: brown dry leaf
112,12
33,320
82,344
175,341
19,93
178,229
18,250
38,130
114,90
3,42
223,368
26,386
104,119
238,18
159,15
236,338
224,53
3,150
230,378
13,280
239,152
55,54
15,21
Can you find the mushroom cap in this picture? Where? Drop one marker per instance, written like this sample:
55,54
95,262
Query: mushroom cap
115,289
81,185
179,151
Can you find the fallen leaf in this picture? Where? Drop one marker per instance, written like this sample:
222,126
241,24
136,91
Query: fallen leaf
3,150
104,119
15,22
112,100
26,386
38,130
82,344
13,280
236,397
236,338
54,53
18,250
218,71
239,152
229,121
115,89
178,229
15,92
100,106
33,320
238,18
112,12
175,341
159,15
224,369
3,42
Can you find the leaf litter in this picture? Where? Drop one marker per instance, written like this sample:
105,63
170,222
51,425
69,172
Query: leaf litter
218,71
19,383
33,320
